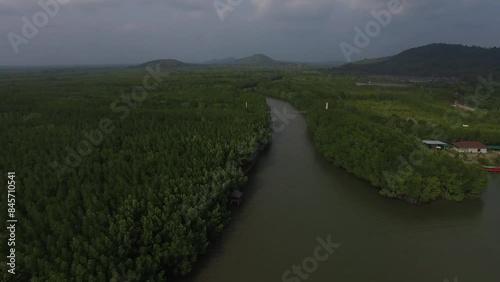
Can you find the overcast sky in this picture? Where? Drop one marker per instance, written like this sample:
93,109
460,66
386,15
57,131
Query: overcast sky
134,31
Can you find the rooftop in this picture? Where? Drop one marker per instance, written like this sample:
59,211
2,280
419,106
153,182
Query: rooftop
433,142
470,145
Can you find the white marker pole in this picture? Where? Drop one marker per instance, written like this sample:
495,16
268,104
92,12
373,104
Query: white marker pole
326,107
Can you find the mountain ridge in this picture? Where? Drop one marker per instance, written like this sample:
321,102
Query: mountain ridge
438,59
166,63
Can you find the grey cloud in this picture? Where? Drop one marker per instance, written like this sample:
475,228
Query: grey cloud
191,5
130,31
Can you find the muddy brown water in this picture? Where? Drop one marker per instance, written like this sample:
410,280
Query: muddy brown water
295,199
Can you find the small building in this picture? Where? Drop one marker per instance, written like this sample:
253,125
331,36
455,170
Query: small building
434,144
236,197
470,147
494,148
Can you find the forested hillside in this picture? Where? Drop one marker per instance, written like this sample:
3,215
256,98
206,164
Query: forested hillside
167,64
143,201
433,60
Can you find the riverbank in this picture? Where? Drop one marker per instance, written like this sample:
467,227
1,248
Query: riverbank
248,166
246,169
294,195
394,162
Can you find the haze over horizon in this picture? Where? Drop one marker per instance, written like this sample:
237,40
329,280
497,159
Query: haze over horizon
128,32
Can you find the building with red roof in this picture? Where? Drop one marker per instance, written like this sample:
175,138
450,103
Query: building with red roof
470,147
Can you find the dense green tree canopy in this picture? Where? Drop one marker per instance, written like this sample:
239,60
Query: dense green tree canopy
114,188
143,203
376,134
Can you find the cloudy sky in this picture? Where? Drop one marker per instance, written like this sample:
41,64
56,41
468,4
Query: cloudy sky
134,31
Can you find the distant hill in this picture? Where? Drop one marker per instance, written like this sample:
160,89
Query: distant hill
167,64
263,60
228,60
254,60
432,61
370,61
328,63
257,59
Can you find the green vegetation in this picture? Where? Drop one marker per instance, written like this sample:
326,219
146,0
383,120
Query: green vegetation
376,133
433,60
146,201
142,199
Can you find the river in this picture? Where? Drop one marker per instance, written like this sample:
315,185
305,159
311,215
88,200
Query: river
296,199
